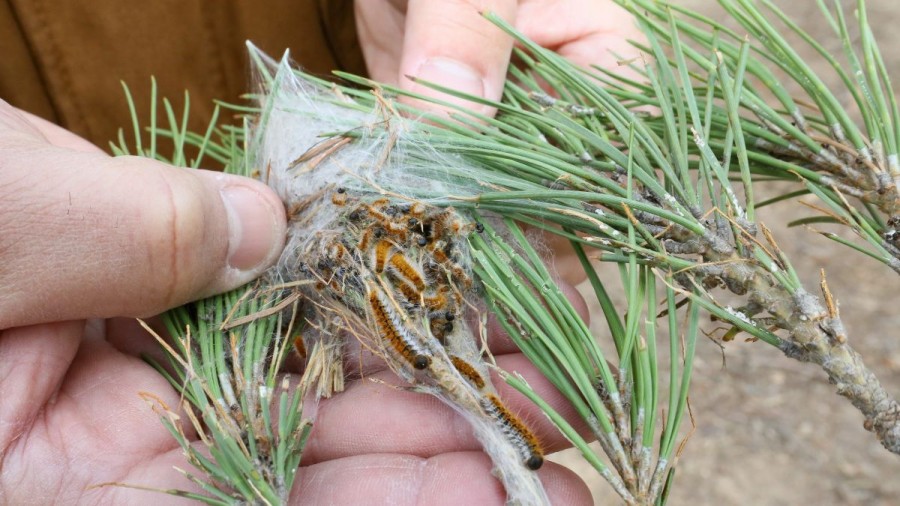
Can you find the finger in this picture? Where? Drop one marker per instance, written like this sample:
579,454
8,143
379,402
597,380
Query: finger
374,416
587,32
379,26
123,236
453,478
451,44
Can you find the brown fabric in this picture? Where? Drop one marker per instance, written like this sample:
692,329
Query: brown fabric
65,60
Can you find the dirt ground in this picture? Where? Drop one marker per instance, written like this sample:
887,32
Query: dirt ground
770,430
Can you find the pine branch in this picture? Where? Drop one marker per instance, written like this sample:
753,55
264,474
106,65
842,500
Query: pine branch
655,175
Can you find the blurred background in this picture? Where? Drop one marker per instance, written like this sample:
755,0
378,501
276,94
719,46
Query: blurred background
771,430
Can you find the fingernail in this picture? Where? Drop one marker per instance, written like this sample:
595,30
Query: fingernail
255,227
451,74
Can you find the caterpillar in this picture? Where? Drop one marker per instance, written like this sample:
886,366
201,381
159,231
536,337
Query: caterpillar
366,240
517,432
467,371
393,330
409,292
436,302
381,254
339,197
406,270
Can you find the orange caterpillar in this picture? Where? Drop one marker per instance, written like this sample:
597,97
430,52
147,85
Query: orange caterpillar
467,371
375,211
366,240
439,256
381,254
409,292
375,206
398,230
406,270
439,223
450,266
393,331
517,432
339,197
436,302
416,210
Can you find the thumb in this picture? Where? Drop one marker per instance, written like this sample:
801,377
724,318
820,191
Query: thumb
451,44
85,235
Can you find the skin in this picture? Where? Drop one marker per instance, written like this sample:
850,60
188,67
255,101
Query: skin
72,265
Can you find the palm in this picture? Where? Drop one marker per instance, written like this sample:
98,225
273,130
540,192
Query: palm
75,420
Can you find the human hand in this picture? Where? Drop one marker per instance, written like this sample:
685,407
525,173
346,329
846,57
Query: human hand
83,235
73,419
448,42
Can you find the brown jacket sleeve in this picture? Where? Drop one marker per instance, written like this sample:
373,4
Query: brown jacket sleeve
65,60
